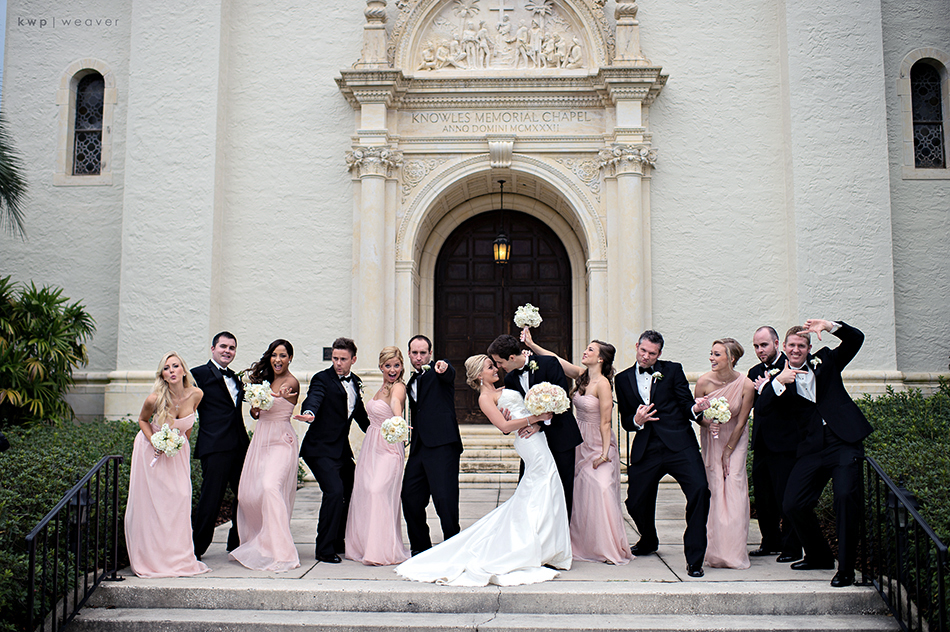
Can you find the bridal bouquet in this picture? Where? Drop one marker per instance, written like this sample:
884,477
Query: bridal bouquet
527,316
718,412
167,441
259,395
395,429
545,397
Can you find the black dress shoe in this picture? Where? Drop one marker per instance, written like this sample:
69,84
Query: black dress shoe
760,552
842,579
329,559
807,565
640,549
695,570
785,559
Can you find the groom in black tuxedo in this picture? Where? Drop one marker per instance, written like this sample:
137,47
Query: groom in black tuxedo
521,373
774,442
221,442
434,449
832,430
654,401
333,401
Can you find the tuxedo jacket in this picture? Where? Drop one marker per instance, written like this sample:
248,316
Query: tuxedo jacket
672,402
432,411
329,432
562,433
220,419
833,405
774,429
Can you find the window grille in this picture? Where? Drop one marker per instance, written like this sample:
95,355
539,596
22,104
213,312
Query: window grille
927,108
87,153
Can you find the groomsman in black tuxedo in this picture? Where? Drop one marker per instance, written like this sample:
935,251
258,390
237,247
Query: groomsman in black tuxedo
654,401
221,442
774,442
833,429
434,449
521,373
333,401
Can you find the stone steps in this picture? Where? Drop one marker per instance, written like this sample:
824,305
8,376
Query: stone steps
188,604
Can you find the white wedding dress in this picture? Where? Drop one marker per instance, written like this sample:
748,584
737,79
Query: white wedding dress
513,543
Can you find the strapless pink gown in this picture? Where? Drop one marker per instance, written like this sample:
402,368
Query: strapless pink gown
727,528
373,533
158,513
597,529
267,491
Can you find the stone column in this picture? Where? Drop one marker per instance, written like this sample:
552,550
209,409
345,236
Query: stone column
373,166
628,272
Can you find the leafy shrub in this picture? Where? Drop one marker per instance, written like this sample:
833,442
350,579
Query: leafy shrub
43,463
42,339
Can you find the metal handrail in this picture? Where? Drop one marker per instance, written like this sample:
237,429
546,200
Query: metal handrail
78,544
905,561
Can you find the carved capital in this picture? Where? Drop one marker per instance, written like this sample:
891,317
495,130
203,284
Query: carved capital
373,161
622,159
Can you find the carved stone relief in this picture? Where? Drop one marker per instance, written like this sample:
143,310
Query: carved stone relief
415,171
498,34
587,171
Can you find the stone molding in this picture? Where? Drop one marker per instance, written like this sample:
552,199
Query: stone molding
373,161
623,159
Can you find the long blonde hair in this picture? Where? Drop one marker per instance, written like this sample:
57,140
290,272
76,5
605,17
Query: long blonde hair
163,405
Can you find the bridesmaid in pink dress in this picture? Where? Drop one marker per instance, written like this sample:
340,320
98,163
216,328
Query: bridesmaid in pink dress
158,513
724,448
373,531
269,478
597,528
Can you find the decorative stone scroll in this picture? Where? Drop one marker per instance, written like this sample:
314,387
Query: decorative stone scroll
373,161
587,171
621,159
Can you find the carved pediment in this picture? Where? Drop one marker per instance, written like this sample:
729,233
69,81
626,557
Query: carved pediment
472,37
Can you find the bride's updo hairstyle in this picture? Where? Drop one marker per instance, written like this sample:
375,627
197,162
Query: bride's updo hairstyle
733,348
473,368
389,353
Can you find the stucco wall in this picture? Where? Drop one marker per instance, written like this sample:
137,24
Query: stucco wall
73,232
921,208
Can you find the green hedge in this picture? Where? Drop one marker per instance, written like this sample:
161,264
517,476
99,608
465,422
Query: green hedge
42,464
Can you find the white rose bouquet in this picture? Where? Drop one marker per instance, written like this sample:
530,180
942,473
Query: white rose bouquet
718,412
259,395
395,429
527,316
545,397
167,441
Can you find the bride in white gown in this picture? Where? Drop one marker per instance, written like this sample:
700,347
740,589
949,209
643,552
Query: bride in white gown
521,540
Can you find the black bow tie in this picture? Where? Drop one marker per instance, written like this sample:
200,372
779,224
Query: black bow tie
648,369
227,373
346,378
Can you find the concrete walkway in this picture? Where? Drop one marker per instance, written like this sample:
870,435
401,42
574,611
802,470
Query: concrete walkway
668,565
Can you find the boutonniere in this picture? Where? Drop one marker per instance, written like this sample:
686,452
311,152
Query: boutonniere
359,386
424,368
532,366
657,376
814,362
774,372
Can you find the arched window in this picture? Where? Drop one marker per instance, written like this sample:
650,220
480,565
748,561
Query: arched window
927,108
86,100
87,141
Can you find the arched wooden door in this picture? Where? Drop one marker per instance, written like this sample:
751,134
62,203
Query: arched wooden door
475,298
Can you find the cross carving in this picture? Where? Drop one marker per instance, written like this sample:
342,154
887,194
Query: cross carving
501,8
